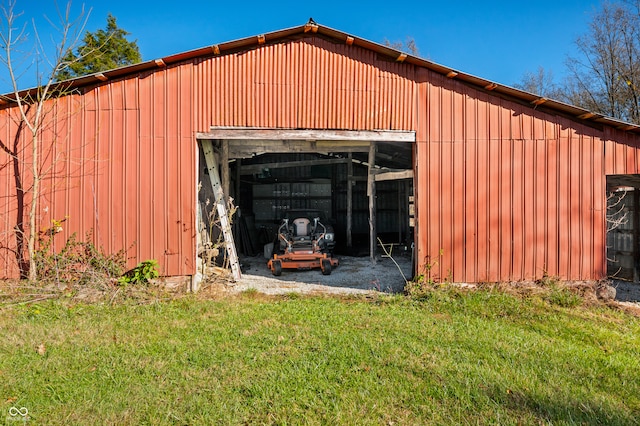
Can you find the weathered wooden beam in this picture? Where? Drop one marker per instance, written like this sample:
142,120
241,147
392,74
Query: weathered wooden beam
380,176
393,174
250,148
257,168
308,134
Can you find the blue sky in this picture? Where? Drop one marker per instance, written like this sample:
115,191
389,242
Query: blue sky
496,40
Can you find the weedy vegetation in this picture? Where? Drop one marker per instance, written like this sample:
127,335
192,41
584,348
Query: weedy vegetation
144,272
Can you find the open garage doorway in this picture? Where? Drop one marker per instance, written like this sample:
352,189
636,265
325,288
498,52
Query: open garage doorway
270,172
623,227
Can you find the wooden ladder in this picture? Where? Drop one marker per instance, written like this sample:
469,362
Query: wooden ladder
218,193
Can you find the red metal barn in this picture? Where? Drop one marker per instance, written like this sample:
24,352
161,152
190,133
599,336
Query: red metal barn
506,185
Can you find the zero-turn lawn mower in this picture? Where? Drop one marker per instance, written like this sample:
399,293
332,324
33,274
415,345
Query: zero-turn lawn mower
303,243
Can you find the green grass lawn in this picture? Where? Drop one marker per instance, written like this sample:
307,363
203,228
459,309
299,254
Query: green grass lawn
452,358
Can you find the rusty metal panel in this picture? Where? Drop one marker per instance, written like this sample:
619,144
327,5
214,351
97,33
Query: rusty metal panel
575,197
123,170
540,184
9,206
590,197
619,147
99,120
509,192
520,218
598,242
504,191
528,165
482,160
550,195
564,212
307,83
130,156
470,183
619,158
504,194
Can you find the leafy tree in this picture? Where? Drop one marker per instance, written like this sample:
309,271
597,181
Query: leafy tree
100,51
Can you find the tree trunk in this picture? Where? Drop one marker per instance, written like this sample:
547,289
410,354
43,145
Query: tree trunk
33,209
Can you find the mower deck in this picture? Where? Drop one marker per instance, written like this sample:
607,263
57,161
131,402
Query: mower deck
302,260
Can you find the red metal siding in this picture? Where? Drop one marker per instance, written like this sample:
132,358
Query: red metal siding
310,83
124,152
114,171
506,192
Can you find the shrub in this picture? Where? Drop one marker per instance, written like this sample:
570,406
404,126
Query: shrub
77,261
142,273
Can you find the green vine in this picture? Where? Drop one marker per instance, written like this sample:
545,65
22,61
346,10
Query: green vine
142,273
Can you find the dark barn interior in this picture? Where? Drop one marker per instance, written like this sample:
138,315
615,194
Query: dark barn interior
264,186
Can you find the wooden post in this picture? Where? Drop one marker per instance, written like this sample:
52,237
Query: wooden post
371,193
350,183
236,192
400,187
407,222
224,169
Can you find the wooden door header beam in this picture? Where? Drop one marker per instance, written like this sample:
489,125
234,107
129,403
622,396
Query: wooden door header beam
308,134
246,148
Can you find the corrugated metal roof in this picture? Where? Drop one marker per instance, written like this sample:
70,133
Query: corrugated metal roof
535,100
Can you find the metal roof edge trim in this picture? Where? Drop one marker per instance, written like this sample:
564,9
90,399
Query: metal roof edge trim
274,36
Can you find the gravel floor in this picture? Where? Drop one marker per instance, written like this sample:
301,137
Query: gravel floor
353,275
627,292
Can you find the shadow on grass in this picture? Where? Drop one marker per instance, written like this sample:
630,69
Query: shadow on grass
561,409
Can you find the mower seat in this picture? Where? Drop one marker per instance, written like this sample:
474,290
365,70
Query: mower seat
301,227
302,234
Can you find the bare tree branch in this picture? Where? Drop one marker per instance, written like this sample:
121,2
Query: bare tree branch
31,107
605,76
